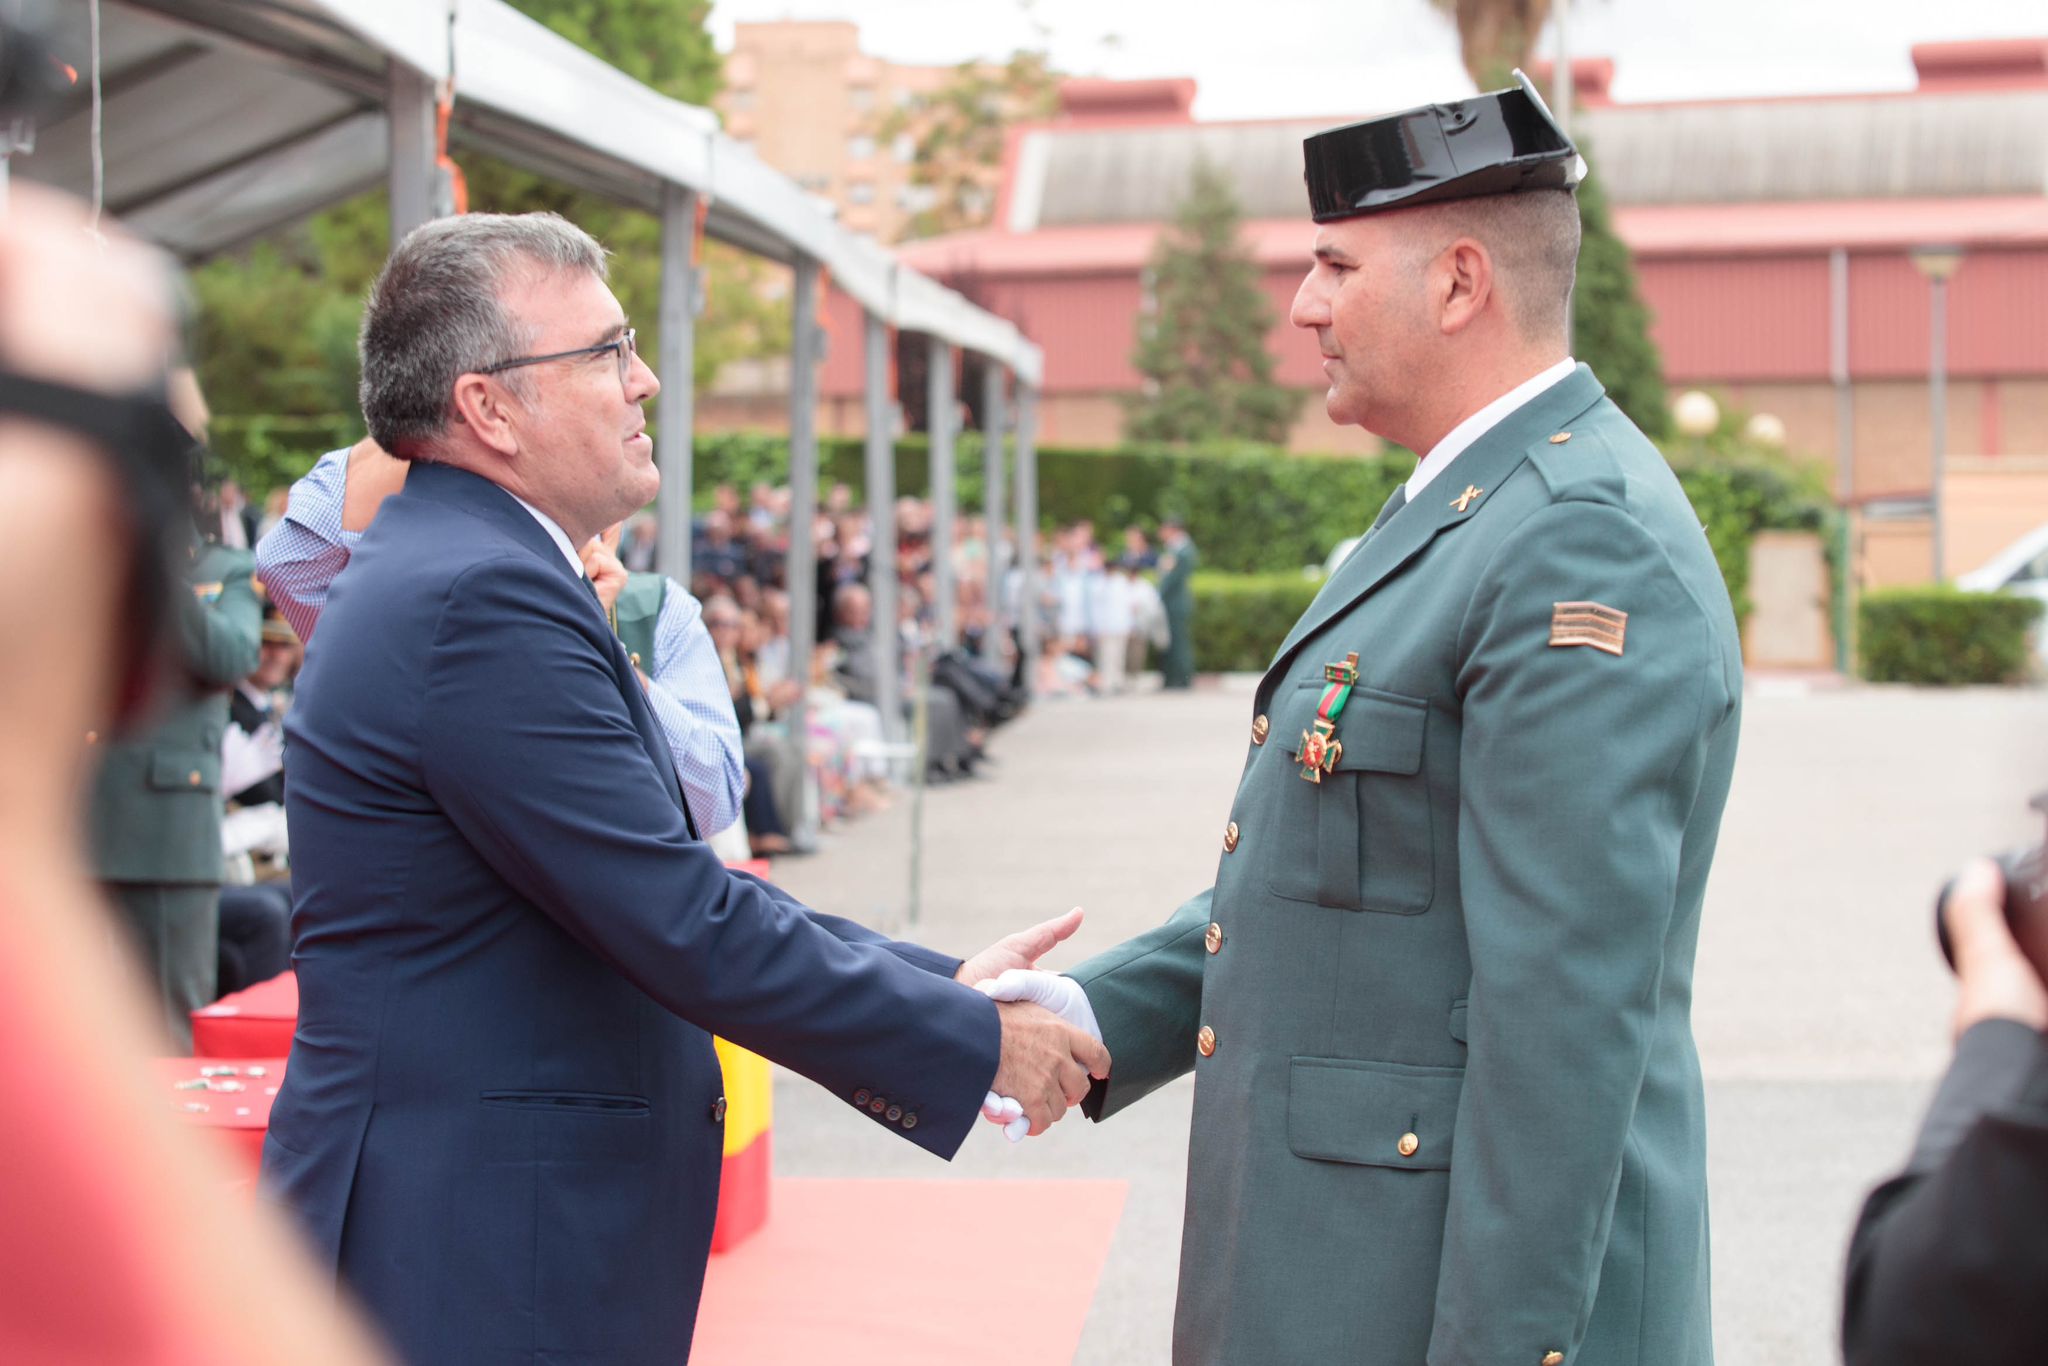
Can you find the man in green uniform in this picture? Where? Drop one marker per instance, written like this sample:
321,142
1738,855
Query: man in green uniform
156,805
1447,1103
1177,594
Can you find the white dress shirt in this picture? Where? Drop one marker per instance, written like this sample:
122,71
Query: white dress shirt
559,536
1460,437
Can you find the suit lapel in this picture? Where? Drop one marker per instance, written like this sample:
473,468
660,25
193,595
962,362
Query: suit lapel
479,496
1439,508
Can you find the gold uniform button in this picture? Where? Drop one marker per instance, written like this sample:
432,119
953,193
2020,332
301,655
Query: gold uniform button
1205,1041
1557,440
1409,1146
1554,1358
1230,838
1213,940
193,777
635,657
1261,728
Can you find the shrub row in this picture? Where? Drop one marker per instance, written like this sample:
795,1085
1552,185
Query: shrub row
1253,510
1240,619
1944,635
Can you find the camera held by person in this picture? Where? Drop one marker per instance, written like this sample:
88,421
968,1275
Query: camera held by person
1948,1258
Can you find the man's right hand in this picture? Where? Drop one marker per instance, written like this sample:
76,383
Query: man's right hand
1997,976
1046,1064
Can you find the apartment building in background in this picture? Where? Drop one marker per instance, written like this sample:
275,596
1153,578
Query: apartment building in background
809,102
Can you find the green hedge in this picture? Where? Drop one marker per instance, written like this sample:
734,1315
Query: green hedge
1253,509
1944,636
1240,619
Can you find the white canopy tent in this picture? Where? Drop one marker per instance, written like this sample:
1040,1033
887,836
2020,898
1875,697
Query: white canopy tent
222,120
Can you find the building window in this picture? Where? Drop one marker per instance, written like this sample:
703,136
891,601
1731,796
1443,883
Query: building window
904,149
816,184
740,101
860,147
861,192
861,98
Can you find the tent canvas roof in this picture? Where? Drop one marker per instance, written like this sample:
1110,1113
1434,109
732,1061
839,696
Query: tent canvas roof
226,119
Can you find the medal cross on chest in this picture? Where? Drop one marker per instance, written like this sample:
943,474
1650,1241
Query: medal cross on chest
1321,751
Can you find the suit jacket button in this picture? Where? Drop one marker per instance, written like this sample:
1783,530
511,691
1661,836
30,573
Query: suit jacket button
193,777
877,1105
1205,1041
1408,1147
1261,727
718,1111
910,1120
895,1112
1230,838
861,1096
1213,940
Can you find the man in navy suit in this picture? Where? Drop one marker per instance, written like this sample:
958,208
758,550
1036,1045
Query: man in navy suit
502,1119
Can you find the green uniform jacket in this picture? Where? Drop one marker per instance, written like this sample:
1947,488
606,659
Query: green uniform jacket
1177,596
1176,585
1448,1107
156,804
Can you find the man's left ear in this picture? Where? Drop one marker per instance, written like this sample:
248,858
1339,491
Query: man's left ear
1467,284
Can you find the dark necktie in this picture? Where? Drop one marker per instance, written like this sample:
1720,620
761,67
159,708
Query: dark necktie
1394,505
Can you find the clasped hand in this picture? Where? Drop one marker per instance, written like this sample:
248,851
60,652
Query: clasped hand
1052,1045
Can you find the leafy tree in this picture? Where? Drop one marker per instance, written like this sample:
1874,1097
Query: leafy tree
959,131
274,333
1202,346
1610,325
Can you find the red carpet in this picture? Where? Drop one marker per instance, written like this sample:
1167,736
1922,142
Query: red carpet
911,1273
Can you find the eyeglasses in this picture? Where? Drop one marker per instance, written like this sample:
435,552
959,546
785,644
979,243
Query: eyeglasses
623,347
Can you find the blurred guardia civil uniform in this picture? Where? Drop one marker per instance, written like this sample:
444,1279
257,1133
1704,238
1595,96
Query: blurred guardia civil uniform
157,805
1447,1103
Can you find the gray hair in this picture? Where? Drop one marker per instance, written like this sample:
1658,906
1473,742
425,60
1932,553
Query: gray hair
1534,241
438,311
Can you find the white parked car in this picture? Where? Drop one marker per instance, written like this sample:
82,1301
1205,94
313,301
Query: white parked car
2021,567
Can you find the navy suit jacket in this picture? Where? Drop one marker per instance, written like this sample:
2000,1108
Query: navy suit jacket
501,1122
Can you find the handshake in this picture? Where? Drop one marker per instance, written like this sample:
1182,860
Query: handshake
1051,1046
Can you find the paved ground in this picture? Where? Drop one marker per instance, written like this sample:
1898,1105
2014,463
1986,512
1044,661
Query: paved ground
1821,1011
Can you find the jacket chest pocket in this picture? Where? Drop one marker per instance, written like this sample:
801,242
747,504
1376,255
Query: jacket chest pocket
1369,815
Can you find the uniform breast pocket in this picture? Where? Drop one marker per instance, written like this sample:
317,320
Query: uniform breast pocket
1370,816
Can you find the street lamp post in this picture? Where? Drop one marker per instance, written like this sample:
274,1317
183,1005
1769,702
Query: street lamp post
1938,264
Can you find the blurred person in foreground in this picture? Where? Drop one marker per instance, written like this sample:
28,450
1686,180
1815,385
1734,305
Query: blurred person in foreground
502,1121
1448,1108
1949,1258
120,1242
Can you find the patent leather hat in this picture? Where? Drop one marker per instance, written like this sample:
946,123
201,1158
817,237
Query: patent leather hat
1500,142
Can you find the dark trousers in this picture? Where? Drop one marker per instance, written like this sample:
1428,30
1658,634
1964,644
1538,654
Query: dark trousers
176,931
1177,670
255,934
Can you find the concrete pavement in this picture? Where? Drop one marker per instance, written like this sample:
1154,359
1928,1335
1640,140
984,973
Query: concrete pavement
1821,1008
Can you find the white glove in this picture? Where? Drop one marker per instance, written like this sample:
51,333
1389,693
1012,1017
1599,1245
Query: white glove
1008,1113
1063,997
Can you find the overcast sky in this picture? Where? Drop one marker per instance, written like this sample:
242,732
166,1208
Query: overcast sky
1281,58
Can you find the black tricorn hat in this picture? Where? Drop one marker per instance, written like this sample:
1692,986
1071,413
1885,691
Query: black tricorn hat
1501,142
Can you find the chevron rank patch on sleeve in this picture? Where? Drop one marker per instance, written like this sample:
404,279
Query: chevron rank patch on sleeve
1588,623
